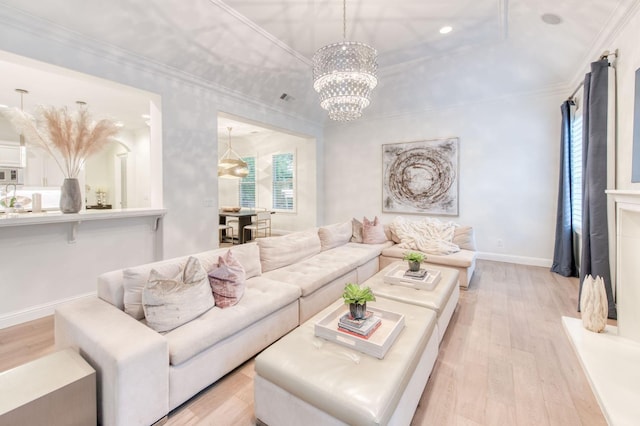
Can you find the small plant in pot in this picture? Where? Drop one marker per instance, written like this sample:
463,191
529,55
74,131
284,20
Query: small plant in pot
415,259
357,297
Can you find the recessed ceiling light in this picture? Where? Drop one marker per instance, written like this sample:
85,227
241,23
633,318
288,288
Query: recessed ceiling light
119,124
551,19
446,29
145,116
4,106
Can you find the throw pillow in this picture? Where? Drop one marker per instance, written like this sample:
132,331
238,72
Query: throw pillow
373,231
356,231
463,237
335,235
227,281
135,279
169,302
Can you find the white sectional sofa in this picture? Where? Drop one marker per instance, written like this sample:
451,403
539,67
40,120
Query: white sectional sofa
143,374
464,260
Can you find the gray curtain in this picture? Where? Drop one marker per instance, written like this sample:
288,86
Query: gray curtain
564,262
595,233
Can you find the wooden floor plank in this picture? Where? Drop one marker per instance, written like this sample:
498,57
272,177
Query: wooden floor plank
503,361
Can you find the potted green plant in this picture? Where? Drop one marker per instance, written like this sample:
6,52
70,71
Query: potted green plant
357,297
415,259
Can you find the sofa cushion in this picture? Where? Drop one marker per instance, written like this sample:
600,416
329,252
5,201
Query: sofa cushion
277,252
262,297
335,235
313,273
462,258
373,231
227,281
170,301
249,257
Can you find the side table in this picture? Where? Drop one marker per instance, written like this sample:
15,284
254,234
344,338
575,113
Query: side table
57,389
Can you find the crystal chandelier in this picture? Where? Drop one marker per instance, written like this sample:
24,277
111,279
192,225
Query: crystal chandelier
344,74
231,165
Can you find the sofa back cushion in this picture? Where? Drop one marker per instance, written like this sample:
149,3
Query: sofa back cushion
334,235
249,257
172,300
277,252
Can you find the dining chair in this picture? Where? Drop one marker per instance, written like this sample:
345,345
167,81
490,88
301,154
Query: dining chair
228,229
262,223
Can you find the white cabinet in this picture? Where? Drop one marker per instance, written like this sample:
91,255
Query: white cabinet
42,170
12,154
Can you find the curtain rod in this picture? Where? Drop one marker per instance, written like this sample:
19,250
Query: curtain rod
604,55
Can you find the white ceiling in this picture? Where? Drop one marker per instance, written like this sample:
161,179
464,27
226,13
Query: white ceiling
263,48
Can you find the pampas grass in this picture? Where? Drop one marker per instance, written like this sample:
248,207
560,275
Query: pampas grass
69,137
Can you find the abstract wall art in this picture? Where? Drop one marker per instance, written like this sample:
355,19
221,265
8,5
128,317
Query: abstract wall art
421,177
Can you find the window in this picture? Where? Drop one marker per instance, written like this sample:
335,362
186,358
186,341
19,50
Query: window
576,172
247,187
283,183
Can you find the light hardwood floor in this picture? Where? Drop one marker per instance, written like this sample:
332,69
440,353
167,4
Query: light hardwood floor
505,360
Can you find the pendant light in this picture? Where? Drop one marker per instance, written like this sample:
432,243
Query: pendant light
231,165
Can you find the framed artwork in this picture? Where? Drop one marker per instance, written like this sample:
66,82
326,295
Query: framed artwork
421,177
635,162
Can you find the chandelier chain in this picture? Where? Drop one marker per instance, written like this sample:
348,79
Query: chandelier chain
344,20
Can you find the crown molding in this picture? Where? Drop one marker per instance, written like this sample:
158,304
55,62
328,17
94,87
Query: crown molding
616,23
259,30
73,40
558,90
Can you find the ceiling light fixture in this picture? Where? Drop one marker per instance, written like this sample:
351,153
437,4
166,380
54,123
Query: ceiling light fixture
231,165
446,29
344,74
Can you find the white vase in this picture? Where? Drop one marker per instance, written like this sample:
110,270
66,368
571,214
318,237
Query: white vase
593,304
70,196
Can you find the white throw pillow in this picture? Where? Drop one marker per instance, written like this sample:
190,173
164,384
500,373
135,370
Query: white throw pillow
135,279
169,302
335,235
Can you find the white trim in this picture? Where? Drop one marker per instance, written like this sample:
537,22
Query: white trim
520,260
38,311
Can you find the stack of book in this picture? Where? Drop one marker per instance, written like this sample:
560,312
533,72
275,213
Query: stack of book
416,275
359,327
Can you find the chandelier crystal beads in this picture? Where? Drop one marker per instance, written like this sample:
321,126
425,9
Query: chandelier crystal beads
344,74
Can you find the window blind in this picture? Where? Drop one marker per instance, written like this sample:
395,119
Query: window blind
576,172
283,182
247,187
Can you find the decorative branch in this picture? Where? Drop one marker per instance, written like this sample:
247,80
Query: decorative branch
68,137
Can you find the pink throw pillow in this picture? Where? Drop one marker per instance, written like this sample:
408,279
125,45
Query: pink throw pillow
373,232
227,281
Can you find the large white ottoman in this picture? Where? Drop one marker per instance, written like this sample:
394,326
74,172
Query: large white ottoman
443,298
303,379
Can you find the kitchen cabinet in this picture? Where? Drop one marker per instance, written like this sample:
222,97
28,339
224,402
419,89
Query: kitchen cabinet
42,170
12,155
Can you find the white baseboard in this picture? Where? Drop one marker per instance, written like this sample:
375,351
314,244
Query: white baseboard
38,311
520,260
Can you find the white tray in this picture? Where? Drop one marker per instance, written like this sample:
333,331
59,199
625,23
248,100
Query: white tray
396,276
376,345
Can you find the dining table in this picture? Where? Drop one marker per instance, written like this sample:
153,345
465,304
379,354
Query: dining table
244,218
